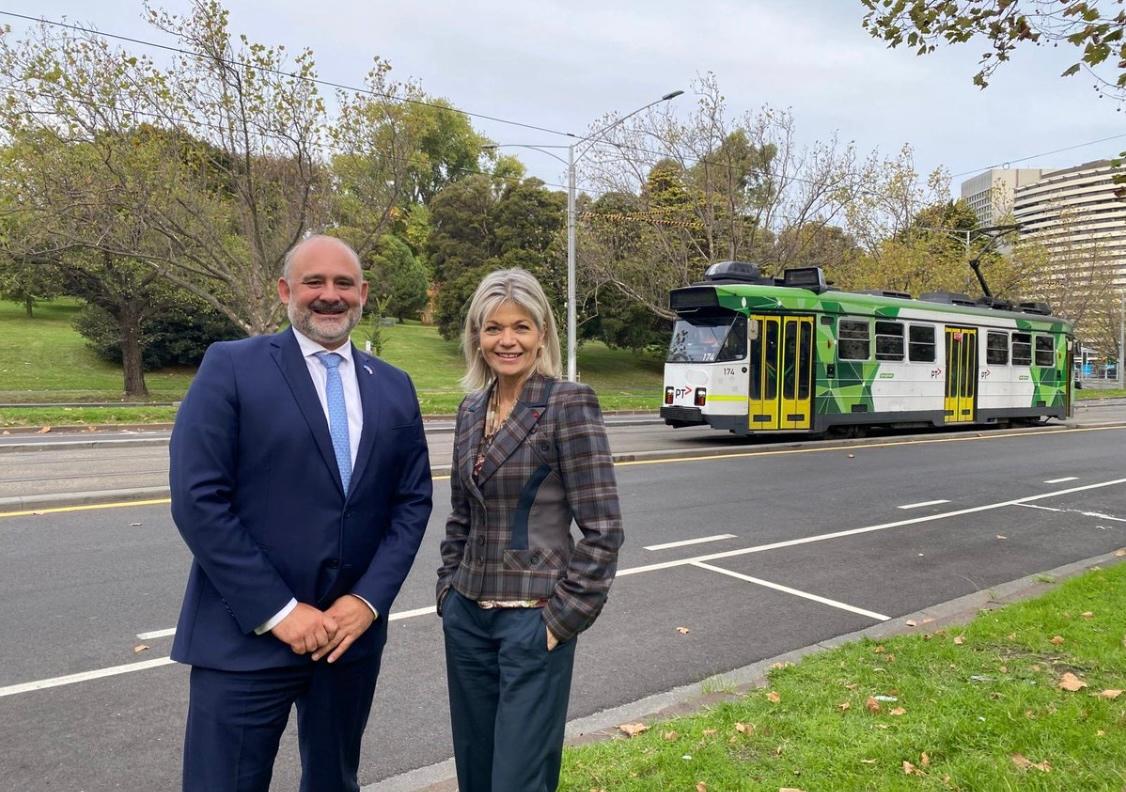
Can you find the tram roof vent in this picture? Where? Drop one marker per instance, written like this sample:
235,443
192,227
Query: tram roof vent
736,272
951,298
887,293
1041,308
996,303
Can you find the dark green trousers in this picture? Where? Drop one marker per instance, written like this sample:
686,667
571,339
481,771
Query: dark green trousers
508,697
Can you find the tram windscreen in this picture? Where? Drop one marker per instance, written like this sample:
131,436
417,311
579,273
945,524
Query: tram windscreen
708,339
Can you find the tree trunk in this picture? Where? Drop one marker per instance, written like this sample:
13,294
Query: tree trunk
29,305
131,353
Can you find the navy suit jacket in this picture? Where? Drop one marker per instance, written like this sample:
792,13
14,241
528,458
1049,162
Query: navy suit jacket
257,496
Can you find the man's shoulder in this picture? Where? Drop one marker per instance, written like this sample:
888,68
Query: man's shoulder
373,365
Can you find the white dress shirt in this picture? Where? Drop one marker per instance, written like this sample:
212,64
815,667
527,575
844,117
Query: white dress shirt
319,374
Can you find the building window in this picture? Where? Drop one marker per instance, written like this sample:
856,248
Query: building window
889,341
854,341
997,349
921,348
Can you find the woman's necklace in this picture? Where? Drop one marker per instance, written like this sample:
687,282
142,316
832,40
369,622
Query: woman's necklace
497,414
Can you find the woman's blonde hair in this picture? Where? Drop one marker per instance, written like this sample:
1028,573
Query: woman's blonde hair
519,287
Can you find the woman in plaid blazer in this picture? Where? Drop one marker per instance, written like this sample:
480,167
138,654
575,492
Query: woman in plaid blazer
515,587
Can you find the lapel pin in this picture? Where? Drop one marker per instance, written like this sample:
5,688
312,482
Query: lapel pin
367,368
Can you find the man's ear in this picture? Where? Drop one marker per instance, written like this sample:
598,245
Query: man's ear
283,291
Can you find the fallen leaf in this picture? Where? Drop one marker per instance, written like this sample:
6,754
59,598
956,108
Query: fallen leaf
959,640
898,711
1087,615
773,697
879,649
1024,763
790,789
633,729
745,728
844,706
1100,733
927,620
1120,552
867,761
924,760
1071,683
851,685
1001,536
872,705
134,525
850,456
140,648
1111,694
682,630
777,666
1003,669
708,732
910,769
911,622
1056,640
44,430
701,786
670,736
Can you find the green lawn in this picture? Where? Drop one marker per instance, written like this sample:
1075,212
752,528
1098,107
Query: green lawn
45,360
976,709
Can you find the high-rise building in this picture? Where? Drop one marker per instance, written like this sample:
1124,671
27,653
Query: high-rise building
990,194
1078,215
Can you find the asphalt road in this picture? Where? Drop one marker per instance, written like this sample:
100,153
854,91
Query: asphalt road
796,545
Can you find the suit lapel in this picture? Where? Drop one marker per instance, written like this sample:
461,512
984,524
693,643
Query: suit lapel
288,356
470,440
526,414
372,407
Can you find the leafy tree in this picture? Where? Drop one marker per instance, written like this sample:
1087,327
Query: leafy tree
397,279
176,334
1095,28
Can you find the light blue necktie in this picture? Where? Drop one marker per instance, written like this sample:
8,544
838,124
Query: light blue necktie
337,415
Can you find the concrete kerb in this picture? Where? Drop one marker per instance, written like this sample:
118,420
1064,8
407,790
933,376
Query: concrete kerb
689,699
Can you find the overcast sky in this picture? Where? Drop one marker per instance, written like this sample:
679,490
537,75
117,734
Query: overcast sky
562,65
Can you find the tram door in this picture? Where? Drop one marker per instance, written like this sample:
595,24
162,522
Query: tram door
780,368
961,373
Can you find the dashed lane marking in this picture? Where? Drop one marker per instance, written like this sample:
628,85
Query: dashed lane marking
686,542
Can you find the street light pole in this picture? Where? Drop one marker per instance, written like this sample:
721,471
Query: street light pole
572,358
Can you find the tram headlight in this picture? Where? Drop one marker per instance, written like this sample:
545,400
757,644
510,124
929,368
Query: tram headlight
701,396
668,395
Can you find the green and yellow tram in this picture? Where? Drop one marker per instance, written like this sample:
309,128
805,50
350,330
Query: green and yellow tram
753,354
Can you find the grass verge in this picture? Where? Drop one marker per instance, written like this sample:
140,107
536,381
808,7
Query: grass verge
971,708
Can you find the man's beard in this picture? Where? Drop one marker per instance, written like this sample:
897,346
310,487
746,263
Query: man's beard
322,328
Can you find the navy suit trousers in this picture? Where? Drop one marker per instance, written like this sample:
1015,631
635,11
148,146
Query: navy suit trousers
508,697
236,720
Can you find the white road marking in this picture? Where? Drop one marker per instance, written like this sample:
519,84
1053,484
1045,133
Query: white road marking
149,636
1096,515
866,529
70,679
1062,480
922,504
795,592
26,687
686,542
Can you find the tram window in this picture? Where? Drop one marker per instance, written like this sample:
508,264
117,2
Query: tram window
889,341
735,347
700,339
997,349
853,340
1022,349
921,347
1045,351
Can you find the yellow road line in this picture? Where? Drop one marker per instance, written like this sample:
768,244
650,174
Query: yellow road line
664,461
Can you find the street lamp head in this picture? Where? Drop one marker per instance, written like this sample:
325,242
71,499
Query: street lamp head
672,95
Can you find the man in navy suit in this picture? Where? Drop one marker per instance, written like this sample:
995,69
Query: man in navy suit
301,483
